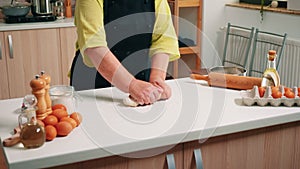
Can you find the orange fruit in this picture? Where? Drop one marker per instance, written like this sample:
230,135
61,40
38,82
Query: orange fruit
50,120
59,106
60,113
63,128
51,132
70,120
40,122
77,117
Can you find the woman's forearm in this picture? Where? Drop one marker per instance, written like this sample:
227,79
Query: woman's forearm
110,67
159,66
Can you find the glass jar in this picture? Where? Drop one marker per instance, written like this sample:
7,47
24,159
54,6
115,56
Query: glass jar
32,134
58,9
62,94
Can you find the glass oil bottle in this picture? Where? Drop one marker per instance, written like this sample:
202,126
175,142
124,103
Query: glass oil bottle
32,134
270,75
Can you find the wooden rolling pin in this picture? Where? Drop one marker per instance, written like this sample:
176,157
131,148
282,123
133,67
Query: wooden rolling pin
229,81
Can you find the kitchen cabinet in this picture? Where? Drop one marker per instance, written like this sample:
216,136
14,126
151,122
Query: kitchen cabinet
275,147
4,93
193,9
153,159
68,37
27,53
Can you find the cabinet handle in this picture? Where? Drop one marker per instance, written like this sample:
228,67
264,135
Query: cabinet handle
198,158
11,53
171,161
0,51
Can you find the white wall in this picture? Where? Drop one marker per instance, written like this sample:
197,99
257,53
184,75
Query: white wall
216,15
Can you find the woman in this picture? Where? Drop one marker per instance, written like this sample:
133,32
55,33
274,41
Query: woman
130,43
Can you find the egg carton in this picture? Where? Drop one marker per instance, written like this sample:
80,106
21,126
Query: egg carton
251,97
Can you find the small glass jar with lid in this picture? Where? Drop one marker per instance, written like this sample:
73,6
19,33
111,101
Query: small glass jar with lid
58,9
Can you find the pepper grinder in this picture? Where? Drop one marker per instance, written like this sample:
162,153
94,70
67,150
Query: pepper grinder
38,90
47,79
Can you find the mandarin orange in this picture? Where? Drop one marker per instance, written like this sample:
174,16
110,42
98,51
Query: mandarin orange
59,106
60,113
50,120
51,132
77,117
63,128
70,120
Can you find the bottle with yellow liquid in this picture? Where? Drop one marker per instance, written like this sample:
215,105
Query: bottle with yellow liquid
271,76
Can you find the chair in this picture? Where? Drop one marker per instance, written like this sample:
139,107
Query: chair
237,45
263,42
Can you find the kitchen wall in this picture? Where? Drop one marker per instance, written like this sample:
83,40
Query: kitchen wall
216,15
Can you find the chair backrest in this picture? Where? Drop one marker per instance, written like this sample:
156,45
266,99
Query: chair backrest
237,45
263,42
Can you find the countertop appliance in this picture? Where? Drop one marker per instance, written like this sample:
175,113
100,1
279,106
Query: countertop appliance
41,11
41,7
25,19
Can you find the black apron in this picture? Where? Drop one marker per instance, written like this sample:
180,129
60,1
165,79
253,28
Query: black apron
128,26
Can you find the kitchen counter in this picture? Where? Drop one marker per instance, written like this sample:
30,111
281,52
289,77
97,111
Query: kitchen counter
195,111
59,23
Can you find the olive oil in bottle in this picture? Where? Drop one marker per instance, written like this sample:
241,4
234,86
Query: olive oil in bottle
32,134
270,75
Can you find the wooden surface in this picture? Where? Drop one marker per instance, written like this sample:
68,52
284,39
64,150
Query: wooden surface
266,8
3,163
4,94
68,37
51,50
128,161
275,147
33,51
175,6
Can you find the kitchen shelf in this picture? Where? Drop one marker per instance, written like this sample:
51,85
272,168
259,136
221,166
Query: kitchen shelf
266,8
175,6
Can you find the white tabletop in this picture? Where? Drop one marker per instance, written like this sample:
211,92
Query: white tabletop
195,111
59,23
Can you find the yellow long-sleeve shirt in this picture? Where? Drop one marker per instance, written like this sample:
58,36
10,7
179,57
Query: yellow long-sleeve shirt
91,33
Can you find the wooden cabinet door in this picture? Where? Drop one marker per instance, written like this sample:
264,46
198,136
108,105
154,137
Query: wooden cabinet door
147,159
4,92
28,53
274,147
157,158
68,37
213,153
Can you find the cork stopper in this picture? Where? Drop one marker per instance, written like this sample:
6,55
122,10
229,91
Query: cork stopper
37,83
272,55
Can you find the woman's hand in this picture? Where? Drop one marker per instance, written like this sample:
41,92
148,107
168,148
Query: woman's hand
167,92
144,92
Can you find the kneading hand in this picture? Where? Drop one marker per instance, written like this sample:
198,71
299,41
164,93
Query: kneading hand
167,92
143,92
